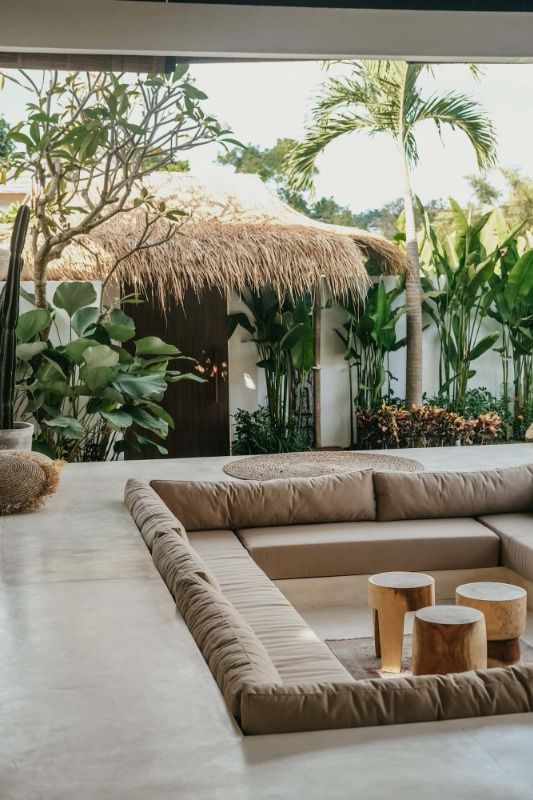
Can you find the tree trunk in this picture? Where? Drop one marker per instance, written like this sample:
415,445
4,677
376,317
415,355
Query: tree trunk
413,296
39,280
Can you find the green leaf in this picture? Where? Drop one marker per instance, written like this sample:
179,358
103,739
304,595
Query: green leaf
483,345
67,427
119,326
28,351
77,347
154,346
32,322
100,355
520,279
73,295
119,419
97,377
144,442
84,318
140,386
148,421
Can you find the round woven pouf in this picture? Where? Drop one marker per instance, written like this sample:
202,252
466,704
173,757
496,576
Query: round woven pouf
315,463
26,479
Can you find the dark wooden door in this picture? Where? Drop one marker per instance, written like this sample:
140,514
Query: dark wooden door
200,410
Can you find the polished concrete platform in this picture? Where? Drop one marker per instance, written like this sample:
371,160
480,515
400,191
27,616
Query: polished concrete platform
105,696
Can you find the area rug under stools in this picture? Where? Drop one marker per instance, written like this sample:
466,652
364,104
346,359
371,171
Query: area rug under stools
359,657
313,464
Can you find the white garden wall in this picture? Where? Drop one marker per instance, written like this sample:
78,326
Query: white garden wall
247,388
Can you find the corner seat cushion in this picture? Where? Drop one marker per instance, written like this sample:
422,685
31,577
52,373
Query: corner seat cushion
516,535
429,495
426,698
149,513
297,653
176,559
232,651
223,505
361,548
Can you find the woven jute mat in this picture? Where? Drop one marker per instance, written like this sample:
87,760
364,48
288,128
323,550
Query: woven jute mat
316,463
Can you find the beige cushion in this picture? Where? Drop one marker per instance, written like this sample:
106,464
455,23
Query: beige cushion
360,548
176,559
424,495
286,709
149,512
233,653
215,506
516,534
294,649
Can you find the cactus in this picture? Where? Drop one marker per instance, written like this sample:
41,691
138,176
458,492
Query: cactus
9,313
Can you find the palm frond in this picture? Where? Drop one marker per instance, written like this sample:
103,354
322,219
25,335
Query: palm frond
460,112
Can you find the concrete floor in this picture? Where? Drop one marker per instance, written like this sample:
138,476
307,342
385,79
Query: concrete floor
105,696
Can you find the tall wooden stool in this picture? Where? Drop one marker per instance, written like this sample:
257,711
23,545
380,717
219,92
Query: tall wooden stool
391,595
448,639
505,608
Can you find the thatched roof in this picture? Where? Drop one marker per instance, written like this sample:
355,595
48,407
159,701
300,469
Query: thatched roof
238,233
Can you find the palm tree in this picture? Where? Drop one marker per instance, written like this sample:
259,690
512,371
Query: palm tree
385,97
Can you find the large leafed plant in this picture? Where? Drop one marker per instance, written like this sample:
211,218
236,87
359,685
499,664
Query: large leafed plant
98,393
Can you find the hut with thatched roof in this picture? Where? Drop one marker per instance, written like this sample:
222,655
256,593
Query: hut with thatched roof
236,233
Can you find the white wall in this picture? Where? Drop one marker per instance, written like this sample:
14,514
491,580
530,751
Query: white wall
247,388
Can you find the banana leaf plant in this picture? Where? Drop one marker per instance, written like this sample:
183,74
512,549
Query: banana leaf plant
369,336
283,335
509,301
458,270
99,392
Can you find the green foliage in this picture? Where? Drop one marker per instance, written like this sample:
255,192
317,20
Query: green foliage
89,139
255,433
98,395
9,214
9,316
369,336
283,334
459,269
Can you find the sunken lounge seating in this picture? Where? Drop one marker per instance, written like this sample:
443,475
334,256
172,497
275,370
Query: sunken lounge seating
220,546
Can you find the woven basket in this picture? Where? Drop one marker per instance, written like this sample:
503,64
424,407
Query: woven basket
26,479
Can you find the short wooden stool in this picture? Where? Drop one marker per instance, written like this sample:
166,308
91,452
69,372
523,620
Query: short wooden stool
505,608
448,639
391,595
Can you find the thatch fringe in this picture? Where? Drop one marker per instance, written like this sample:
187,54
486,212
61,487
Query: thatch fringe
291,258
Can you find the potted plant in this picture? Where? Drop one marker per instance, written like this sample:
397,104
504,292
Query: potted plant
13,435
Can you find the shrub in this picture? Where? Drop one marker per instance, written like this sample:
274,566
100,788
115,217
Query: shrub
391,426
255,433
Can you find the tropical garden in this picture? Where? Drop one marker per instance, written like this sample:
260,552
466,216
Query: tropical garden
94,390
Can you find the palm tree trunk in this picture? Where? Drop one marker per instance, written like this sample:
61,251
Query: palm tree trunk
413,296
317,377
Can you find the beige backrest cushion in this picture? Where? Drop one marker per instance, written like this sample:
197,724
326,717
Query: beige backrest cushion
231,649
215,506
176,559
423,495
150,514
287,709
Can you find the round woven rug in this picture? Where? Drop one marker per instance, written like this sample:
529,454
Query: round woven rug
313,464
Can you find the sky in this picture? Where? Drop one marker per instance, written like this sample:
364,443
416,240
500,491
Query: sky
262,102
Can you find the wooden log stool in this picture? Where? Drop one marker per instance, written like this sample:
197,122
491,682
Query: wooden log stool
505,608
391,595
448,639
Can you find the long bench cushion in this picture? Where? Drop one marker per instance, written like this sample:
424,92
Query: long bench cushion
360,548
217,506
286,709
149,513
425,495
295,650
516,534
176,559
232,651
